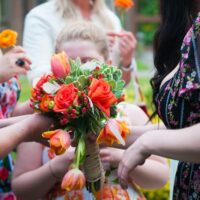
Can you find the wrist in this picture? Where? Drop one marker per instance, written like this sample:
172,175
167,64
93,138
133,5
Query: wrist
146,144
127,67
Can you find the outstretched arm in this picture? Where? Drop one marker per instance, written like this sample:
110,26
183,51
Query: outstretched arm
28,129
182,144
32,178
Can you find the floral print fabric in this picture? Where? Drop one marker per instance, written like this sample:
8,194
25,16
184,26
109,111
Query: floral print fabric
9,94
179,106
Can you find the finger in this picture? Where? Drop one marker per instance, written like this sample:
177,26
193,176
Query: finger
128,41
104,152
23,57
128,34
111,39
18,49
105,159
19,70
114,34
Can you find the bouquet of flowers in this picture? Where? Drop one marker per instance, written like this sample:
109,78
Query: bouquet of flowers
83,99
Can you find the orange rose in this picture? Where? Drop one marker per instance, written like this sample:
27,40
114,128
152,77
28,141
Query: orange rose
125,4
47,103
101,95
65,97
8,38
60,65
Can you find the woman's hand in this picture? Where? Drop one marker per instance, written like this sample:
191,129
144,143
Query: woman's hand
111,156
36,124
127,45
135,155
8,66
60,164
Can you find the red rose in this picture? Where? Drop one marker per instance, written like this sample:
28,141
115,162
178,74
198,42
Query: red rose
101,95
4,173
65,97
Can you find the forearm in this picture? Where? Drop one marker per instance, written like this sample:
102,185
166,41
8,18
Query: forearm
24,130
151,175
138,131
22,109
11,136
34,184
12,120
37,183
182,144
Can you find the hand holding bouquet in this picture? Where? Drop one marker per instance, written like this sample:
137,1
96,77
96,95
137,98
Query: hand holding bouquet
83,99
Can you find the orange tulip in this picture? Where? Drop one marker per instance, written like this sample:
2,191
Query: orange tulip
60,65
8,38
59,140
114,131
74,179
124,4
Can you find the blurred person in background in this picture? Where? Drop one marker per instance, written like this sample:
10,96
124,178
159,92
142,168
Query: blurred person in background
44,22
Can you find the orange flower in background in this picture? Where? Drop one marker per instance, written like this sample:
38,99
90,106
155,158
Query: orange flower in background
114,192
47,103
74,179
60,65
124,4
101,95
114,131
65,97
8,38
59,140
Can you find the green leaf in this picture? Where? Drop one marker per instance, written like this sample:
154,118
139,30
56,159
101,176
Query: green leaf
83,80
112,83
68,79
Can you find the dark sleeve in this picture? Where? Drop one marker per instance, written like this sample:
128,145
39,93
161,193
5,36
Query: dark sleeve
190,66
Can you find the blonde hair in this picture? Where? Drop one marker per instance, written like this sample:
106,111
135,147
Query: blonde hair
69,10
86,31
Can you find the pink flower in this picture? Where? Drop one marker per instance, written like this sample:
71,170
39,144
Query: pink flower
60,65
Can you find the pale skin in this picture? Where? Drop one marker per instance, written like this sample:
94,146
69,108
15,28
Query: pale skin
30,173
127,41
22,129
8,67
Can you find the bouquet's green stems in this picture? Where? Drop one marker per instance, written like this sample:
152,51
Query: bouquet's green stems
80,152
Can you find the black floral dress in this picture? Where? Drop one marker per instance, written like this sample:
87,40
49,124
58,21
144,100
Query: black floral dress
179,106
